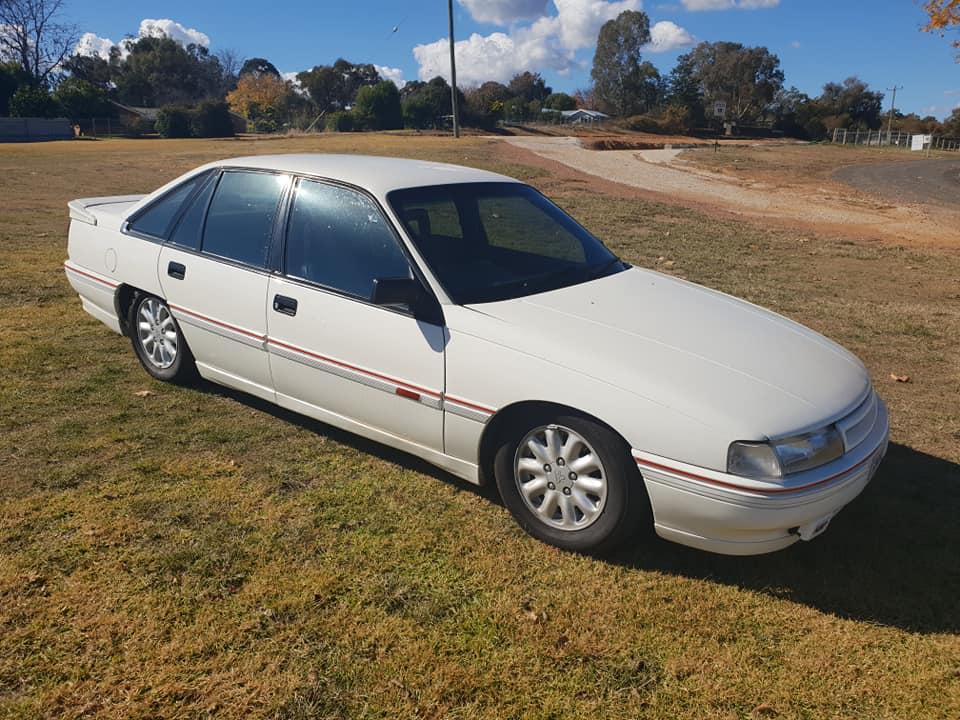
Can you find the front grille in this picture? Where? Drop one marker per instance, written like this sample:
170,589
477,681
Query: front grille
856,426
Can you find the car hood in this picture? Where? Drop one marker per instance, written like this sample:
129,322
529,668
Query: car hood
719,360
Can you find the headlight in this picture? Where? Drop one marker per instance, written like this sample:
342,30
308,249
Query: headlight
784,457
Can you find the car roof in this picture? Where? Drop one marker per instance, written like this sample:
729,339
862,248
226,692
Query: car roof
376,174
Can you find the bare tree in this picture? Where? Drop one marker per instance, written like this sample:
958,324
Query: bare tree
32,35
230,60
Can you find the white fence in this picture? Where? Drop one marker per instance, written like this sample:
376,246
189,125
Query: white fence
895,138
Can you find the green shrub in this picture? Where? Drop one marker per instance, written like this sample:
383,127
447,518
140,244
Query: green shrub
31,101
340,122
377,107
173,122
265,125
211,119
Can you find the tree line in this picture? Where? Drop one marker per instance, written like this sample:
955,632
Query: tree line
196,89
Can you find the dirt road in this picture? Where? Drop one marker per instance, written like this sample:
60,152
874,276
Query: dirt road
826,206
922,181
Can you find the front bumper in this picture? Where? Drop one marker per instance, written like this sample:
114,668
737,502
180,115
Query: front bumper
731,515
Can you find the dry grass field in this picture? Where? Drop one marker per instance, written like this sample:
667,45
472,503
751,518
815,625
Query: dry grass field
196,553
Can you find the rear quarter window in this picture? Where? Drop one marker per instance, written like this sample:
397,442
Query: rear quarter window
158,217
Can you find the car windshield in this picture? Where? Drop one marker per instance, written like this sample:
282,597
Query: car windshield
496,241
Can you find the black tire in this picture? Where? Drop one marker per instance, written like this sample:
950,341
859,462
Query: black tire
625,509
181,369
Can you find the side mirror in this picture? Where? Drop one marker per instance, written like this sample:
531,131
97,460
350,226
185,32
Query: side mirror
410,293
397,291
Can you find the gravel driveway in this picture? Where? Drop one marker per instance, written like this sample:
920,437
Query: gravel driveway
799,201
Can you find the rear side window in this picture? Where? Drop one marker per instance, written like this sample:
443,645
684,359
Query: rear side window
188,231
158,217
241,216
338,238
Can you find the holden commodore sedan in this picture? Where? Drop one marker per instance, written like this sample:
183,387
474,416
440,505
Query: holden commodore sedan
461,316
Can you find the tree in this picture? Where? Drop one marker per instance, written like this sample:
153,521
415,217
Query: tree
261,95
92,69
797,114
529,87
160,71
32,35
944,14
585,98
559,101
335,86
618,76
484,105
951,126
12,77
746,78
377,107
851,104
32,101
683,90
79,99
424,103
257,67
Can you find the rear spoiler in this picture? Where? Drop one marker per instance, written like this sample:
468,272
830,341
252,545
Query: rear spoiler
80,208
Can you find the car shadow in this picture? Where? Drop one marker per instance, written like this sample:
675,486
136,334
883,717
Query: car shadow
370,447
891,557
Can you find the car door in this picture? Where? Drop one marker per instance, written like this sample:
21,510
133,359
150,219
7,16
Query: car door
213,270
333,353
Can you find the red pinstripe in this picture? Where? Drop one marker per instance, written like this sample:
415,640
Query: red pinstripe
109,284
745,488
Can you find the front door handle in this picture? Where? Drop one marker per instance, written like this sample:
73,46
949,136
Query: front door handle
285,305
176,270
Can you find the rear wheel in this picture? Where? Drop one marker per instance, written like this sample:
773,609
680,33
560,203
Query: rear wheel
158,341
571,482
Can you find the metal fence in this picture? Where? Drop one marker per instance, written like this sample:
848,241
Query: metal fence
111,127
894,138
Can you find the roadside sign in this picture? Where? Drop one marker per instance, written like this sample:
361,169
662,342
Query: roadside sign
720,109
920,142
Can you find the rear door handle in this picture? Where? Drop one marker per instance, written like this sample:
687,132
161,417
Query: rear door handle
176,270
285,305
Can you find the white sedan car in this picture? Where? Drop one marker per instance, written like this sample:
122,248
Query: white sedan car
462,317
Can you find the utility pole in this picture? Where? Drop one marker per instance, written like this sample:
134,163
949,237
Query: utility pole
453,74
893,107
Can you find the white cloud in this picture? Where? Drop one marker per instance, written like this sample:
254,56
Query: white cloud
666,36
497,56
699,5
581,20
389,73
173,30
549,43
92,44
504,12
795,45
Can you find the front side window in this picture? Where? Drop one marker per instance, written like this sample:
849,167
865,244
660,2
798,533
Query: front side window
240,220
156,220
496,241
338,238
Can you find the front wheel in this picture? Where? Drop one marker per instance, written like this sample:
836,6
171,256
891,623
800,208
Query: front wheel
158,341
571,482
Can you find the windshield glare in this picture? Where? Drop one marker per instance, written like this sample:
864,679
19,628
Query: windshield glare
496,241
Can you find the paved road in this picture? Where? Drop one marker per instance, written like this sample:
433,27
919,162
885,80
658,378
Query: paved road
926,181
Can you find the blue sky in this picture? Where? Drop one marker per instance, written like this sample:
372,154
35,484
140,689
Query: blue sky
816,40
